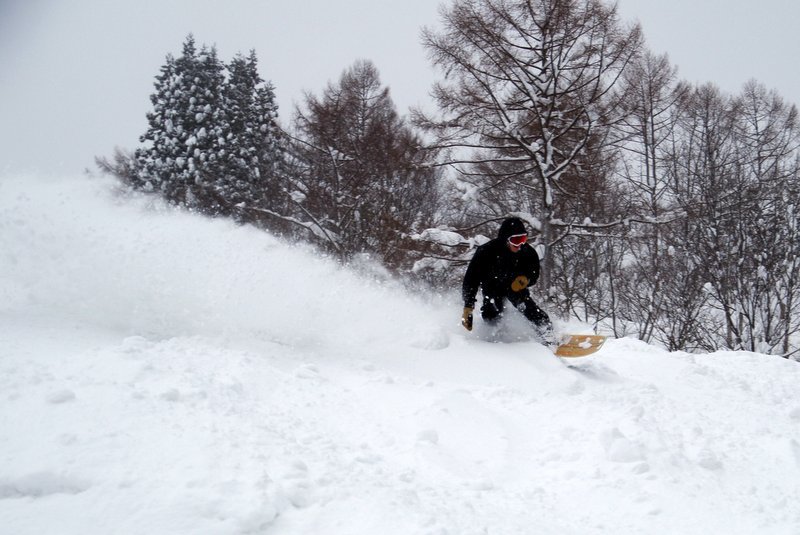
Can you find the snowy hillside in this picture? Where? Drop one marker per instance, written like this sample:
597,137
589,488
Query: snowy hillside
161,373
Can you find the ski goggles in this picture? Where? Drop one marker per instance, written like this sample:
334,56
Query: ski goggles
518,240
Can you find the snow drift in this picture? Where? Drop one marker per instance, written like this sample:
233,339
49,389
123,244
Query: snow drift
165,373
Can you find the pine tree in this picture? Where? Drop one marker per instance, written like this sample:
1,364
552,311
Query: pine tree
206,161
186,128
252,138
361,179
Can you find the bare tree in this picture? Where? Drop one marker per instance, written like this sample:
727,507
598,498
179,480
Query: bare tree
646,282
768,137
529,86
706,179
359,179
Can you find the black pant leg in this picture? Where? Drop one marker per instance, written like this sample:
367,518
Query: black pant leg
492,308
525,304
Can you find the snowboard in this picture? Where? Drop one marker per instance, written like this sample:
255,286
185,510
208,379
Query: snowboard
579,345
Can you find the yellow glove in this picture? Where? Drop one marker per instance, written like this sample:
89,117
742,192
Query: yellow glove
466,318
520,283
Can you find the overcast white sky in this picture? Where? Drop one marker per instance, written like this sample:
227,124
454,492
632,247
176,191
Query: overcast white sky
76,75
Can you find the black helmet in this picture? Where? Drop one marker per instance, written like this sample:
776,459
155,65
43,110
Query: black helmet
512,226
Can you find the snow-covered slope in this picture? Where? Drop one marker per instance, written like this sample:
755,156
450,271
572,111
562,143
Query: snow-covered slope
163,373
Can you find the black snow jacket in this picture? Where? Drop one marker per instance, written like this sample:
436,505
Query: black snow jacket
494,267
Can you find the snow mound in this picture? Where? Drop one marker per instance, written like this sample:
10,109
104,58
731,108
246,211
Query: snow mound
166,373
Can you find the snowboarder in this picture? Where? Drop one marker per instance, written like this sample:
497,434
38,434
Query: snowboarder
503,268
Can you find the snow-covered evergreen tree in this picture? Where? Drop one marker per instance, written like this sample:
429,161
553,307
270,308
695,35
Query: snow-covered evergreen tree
253,137
212,142
185,135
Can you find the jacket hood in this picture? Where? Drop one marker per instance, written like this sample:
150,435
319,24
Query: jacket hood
511,227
